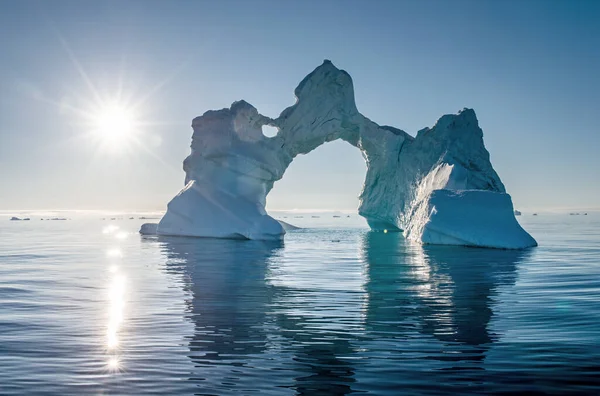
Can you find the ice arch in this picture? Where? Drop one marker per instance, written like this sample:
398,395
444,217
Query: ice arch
439,187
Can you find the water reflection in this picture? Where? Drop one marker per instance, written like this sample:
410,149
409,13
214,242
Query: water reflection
323,358
115,294
314,328
442,291
319,328
226,279
116,305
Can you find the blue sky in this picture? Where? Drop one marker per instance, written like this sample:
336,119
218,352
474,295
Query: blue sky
530,69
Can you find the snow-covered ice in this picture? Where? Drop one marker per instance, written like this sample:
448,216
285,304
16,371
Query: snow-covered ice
439,187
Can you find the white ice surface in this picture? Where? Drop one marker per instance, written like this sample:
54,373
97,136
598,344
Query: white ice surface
417,184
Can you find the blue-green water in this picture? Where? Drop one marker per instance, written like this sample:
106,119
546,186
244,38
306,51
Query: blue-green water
89,308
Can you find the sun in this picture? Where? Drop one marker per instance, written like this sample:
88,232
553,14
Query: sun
114,127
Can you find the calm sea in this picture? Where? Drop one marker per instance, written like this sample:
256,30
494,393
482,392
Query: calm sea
90,307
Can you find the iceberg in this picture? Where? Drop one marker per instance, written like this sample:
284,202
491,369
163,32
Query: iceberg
438,187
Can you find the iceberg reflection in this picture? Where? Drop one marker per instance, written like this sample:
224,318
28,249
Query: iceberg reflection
443,291
313,324
230,297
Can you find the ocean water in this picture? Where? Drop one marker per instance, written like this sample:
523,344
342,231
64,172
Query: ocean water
90,307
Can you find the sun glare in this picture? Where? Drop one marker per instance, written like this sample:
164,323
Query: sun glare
114,127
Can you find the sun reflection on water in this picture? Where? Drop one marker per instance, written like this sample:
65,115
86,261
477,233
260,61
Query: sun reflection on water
113,364
116,252
121,235
110,229
116,300
116,292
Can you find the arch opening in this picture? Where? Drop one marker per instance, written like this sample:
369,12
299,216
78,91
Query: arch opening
329,179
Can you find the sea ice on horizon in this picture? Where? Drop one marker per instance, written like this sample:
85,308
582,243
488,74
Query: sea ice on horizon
439,187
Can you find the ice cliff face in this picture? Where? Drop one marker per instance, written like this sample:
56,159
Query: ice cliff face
439,187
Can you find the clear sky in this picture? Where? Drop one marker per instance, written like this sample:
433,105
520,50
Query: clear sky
530,69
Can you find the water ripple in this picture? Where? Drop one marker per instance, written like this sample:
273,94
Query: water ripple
330,311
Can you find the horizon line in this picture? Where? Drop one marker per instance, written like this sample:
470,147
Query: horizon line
7,212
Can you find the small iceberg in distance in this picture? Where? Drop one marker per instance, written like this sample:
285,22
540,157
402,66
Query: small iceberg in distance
149,229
